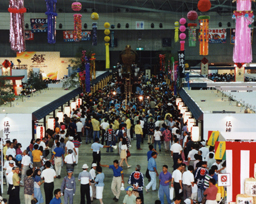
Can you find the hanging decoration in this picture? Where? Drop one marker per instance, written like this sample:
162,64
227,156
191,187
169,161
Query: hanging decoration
17,32
77,27
182,35
87,76
93,69
107,39
176,34
192,34
112,36
51,14
94,34
204,35
162,62
204,6
95,16
76,6
244,19
192,15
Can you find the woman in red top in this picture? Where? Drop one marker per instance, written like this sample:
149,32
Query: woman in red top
211,192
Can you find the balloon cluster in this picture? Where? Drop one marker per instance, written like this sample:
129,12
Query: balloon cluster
107,39
77,27
182,35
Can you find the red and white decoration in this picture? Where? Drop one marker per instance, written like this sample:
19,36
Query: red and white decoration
79,102
40,132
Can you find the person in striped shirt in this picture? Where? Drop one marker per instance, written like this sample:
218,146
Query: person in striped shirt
207,178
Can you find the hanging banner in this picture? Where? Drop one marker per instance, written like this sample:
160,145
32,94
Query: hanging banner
181,56
217,36
29,35
233,35
39,25
192,36
68,36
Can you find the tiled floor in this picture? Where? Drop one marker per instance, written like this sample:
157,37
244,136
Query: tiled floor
137,157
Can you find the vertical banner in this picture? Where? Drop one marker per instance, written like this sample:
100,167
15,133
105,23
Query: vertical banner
181,56
94,34
112,38
192,36
204,67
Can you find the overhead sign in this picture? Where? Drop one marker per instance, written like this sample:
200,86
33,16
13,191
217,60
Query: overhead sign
68,36
217,35
140,24
223,179
39,25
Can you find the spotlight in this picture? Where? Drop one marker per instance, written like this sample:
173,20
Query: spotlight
60,25
26,26
127,25
85,25
160,25
118,25
112,26
152,25
85,10
60,10
140,98
229,24
220,24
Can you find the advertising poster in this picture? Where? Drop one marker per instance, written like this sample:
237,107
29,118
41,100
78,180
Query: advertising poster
39,25
217,35
68,36
29,35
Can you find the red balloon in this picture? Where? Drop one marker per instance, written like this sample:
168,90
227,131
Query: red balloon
63,127
204,5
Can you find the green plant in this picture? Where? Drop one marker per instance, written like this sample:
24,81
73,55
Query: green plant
35,81
6,93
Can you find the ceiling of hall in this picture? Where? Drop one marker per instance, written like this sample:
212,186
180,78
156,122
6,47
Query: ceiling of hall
107,6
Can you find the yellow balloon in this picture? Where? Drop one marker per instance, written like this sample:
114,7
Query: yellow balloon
106,25
107,38
107,32
94,16
186,65
176,23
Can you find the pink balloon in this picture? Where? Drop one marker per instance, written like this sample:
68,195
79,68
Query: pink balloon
79,114
183,21
182,28
63,127
183,36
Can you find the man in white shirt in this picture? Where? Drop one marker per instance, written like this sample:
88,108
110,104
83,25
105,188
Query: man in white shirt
79,127
177,181
103,126
11,151
174,129
205,150
176,150
191,155
70,145
70,160
9,180
25,163
48,175
188,182
92,186
85,179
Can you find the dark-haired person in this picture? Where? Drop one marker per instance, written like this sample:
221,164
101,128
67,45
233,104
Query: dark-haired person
210,160
85,179
177,200
165,178
48,175
118,178
177,180
58,155
56,199
99,183
176,150
36,153
139,134
68,187
139,200
211,192
200,174
136,179
152,168
28,186
15,191
188,180
96,151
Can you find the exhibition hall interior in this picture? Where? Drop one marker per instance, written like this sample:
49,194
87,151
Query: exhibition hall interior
127,101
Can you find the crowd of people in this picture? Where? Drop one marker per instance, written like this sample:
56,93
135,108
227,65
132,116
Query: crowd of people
106,120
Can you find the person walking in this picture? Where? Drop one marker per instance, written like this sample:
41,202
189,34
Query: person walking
136,179
151,128
77,144
110,137
70,161
188,182
167,138
165,178
139,134
123,155
88,130
152,168
157,138
48,175
79,127
36,153
28,186
70,145
68,188
128,127
92,186
129,198
200,174
25,163
96,151
58,156
16,187
176,150
37,183
99,183
85,180
211,192
177,180
96,128
117,180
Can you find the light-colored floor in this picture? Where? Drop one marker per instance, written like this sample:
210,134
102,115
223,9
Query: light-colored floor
137,157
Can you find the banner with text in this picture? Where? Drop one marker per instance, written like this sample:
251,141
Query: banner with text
217,35
68,36
39,25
